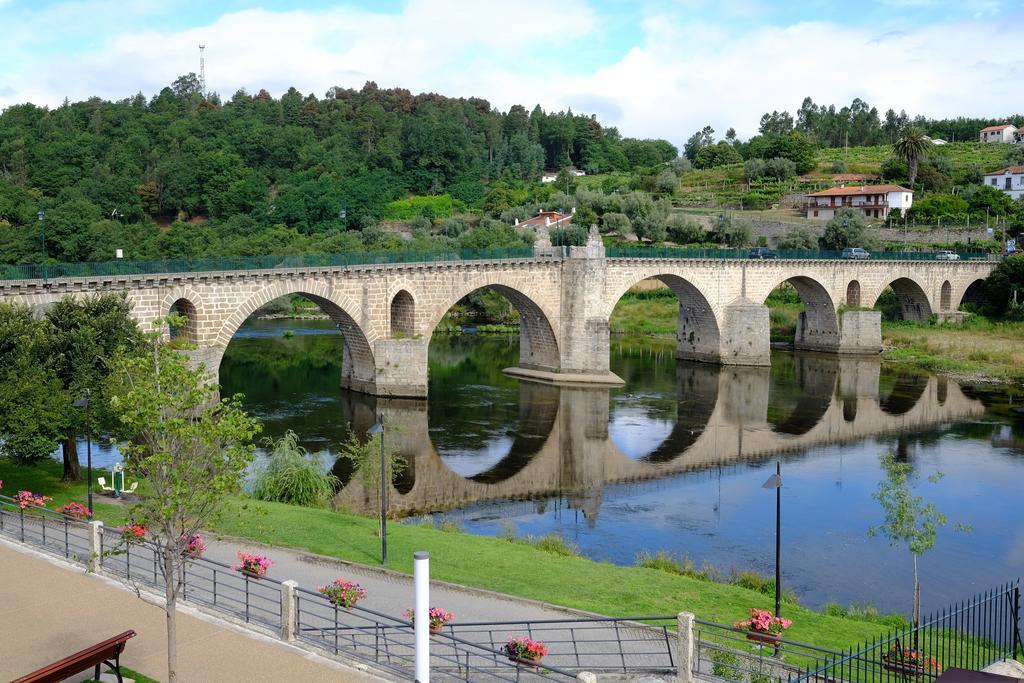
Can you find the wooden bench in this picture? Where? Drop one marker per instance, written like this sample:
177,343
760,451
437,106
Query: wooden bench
108,652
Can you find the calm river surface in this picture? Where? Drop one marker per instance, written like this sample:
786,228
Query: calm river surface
676,459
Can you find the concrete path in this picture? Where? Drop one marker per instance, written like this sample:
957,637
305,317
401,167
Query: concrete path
49,609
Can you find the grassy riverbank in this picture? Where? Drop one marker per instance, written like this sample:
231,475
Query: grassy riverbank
492,563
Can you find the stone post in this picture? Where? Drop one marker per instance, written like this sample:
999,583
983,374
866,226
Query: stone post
860,332
288,614
96,541
586,677
686,657
745,334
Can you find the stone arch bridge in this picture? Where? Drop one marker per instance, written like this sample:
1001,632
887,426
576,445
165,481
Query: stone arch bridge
565,297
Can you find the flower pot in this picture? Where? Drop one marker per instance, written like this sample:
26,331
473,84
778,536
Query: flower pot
907,668
767,638
434,630
525,661
251,575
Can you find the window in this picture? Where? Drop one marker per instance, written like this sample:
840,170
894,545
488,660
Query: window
815,213
994,182
1008,182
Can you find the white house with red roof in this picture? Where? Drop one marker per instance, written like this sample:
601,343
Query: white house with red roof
1010,180
876,201
1001,133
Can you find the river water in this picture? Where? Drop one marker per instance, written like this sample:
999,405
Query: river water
675,460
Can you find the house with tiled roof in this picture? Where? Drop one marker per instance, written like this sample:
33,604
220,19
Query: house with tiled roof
1001,133
547,219
876,201
1010,180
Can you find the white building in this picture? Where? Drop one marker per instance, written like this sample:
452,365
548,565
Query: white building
876,201
1001,133
1010,180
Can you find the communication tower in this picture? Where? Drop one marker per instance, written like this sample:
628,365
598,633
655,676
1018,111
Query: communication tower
202,69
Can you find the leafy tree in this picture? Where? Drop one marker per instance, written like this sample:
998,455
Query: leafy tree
698,141
848,228
666,182
798,238
938,206
683,230
911,147
1005,286
618,223
190,448
753,169
909,522
780,168
895,169
717,155
732,232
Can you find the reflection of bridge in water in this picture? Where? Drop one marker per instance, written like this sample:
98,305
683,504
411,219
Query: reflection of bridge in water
725,415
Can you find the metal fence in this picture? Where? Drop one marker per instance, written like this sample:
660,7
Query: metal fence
129,268
968,635
46,529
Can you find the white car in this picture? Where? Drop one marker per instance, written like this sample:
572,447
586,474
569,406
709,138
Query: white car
946,255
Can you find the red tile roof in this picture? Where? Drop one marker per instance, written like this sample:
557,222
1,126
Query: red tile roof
1008,169
859,190
554,216
995,128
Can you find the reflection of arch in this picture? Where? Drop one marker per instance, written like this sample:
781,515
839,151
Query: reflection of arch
697,390
697,334
945,295
974,295
403,315
850,409
941,389
538,409
188,332
813,383
913,301
538,346
818,325
907,389
357,368
853,294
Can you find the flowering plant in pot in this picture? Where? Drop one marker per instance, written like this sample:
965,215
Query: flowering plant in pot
193,546
26,499
252,565
75,511
438,618
525,650
763,626
909,660
343,593
133,532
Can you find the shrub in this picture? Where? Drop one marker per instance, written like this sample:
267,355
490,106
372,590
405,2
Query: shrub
682,230
726,665
618,223
800,238
293,476
556,545
732,232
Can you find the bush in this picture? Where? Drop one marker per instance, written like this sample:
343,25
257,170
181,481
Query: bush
732,232
838,166
800,238
293,476
894,169
439,206
618,223
666,182
847,229
682,230
453,227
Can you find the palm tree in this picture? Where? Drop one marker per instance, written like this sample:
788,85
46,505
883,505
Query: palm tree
911,147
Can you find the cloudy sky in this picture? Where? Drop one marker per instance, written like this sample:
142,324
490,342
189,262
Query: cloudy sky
653,68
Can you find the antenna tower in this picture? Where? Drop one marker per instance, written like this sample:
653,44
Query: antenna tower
202,69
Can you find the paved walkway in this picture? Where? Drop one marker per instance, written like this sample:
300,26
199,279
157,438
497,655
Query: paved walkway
49,610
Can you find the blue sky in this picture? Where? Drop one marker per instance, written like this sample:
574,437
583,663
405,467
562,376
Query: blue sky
659,68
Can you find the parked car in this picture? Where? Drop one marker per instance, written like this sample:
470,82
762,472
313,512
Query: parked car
762,253
947,255
855,253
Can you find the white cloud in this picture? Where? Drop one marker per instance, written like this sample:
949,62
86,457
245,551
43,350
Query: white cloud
682,75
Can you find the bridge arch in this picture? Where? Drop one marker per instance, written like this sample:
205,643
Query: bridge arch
403,315
817,327
945,296
358,368
697,332
538,342
973,295
853,294
188,332
913,302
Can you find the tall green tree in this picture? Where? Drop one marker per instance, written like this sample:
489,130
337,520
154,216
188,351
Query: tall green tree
190,448
912,147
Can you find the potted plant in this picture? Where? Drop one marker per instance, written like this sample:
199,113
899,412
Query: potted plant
133,532
75,511
438,618
26,499
908,661
343,593
252,565
193,546
526,651
763,626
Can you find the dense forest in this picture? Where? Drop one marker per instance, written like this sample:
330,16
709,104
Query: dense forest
184,174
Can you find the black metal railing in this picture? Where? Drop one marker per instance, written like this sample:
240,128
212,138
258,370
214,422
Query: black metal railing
733,654
47,529
969,635
631,251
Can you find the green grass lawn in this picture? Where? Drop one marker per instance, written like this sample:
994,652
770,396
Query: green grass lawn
134,675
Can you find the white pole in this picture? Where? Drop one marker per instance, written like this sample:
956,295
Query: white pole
421,572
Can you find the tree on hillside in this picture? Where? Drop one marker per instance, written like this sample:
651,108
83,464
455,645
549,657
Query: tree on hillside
189,447
848,228
912,146
698,141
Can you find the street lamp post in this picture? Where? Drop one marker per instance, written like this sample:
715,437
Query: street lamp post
42,239
775,482
84,403
378,428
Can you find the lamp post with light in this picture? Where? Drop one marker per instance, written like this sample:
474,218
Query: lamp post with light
84,403
775,482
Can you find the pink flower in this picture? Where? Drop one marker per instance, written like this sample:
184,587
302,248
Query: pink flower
252,564
763,621
26,499
343,593
75,510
